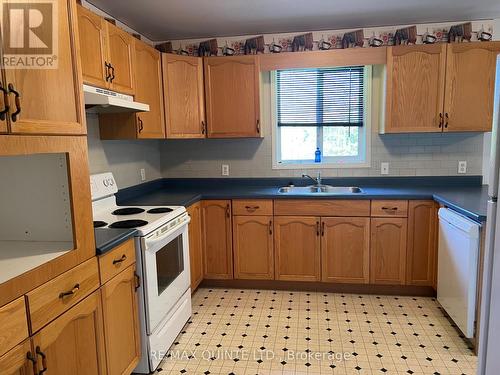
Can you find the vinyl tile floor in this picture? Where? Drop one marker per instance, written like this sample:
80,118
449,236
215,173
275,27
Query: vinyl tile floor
236,331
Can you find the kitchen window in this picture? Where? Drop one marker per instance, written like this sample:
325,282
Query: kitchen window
325,108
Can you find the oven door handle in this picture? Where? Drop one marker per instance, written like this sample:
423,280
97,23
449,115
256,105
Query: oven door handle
152,242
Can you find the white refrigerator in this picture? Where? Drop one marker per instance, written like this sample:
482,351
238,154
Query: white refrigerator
489,332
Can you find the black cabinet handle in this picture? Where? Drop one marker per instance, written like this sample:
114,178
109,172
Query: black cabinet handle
252,208
270,227
141,125
122,259
44,360
107,66
322,229
203,127
440,120
258,126
228,214
75,289
30,357
112,77
5,109
137,281
390,208
447,118
17,101
317,228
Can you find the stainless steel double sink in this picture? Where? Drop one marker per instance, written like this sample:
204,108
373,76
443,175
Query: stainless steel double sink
318,189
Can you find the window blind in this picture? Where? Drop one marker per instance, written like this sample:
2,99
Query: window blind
320,97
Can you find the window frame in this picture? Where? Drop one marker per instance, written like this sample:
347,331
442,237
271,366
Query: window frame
361,161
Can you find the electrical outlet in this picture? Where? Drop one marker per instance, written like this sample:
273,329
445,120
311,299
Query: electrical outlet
462,167
225,169
384,168
143,174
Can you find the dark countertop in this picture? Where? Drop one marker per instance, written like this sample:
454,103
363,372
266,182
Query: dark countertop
107,239
463,194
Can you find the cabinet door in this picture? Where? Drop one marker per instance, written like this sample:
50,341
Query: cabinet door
121,57
74,342
217,246
149,90
183,96
50,100
470,85
195,245
388,251
345,249
16,362
121,323
297,248
415,88
92,31
253,247
421,254
232,96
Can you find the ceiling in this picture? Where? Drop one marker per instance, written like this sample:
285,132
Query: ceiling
162,20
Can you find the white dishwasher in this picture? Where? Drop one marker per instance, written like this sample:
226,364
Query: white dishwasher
457,268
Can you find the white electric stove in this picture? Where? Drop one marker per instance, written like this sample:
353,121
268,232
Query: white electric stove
162,262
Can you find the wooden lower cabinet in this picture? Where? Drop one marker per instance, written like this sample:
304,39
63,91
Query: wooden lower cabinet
422,249
121,323
253,247
345,249
297,248
74,342
217,239
195,245
15,361
388,251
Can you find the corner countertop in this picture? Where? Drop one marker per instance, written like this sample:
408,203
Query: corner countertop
464,194
107,239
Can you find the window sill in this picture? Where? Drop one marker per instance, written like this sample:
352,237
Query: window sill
321,165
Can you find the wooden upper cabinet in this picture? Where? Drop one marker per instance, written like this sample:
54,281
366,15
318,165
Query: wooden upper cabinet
253,247
149,90
121,323
183,96
217,239
93,49
195,245
74,342
422,249
297,248
48,101
232,96
388,251
15,361
121,58
415,88
470,85
345,249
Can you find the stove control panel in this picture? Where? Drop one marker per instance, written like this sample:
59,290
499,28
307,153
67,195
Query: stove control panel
102,185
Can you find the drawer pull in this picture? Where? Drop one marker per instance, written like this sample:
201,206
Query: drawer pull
44,360
122,259
17,102
252,208
390,208
75,289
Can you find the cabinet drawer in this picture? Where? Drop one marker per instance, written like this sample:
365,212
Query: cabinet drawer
56,296
322,207
390,208
118,259
14,324
253,207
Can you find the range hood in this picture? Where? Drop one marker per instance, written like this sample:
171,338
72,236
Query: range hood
98,100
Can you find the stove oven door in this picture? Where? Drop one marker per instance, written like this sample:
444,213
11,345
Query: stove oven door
166,273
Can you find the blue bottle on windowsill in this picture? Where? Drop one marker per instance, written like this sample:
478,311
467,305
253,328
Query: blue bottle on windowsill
317,156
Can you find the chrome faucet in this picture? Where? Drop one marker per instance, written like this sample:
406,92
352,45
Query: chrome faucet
316,180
